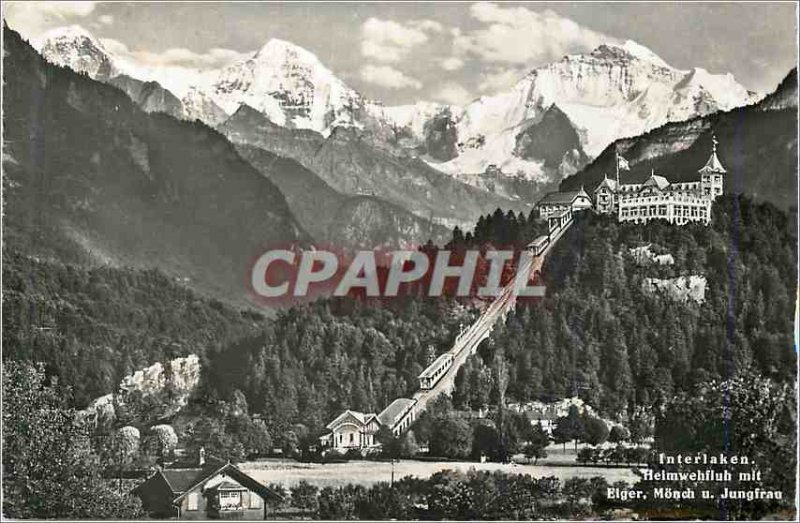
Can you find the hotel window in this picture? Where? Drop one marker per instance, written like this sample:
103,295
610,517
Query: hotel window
192,501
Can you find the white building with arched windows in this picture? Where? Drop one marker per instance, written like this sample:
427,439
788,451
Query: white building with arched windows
657,198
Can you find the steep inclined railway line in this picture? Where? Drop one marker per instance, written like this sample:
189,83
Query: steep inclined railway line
467,342
357,430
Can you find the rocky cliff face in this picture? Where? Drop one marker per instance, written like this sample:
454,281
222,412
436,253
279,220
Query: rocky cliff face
551,139
197,105
351,165
155,393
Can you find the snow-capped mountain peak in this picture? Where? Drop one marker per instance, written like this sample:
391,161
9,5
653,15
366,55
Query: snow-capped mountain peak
76,48
643,53
277,50
618,89
288,84
615,90
67,33
198,105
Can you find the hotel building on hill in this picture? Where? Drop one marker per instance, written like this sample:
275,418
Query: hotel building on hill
657,198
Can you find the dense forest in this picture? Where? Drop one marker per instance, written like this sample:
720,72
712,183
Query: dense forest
596,333
599,336
92,327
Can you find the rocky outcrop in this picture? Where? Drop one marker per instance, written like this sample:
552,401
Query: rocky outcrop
441,137
550,139
682,288
158,392
644,255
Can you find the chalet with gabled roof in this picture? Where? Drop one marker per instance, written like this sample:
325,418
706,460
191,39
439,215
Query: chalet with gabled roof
214,490
352,430
356,430
558,202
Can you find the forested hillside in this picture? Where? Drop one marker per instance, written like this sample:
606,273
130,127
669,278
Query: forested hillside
313,362
599,335
94,326
596,332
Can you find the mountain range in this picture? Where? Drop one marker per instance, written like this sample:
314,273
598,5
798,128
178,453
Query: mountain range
609,93
516,143
357,172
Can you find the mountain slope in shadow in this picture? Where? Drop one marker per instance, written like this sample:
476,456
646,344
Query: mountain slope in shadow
92,178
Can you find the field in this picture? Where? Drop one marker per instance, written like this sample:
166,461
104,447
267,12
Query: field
290,472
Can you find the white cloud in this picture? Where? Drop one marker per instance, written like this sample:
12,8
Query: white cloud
498,80
177,69
390,41
389,77
519,35
114,47
32,19
214,58
106,19
452,63
427,25
452,93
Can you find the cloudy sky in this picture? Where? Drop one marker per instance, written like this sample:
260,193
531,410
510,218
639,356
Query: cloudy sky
449,52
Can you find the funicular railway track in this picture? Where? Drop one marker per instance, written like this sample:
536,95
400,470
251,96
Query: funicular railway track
439,377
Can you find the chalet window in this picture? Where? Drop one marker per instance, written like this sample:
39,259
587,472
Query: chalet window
351,437
255,500
192,501
230,500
